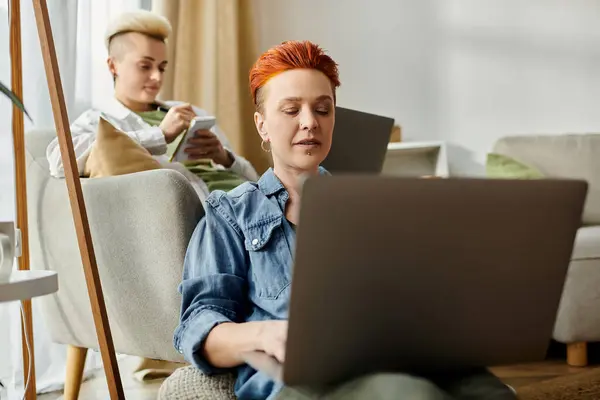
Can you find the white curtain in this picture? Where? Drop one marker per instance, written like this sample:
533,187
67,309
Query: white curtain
78,31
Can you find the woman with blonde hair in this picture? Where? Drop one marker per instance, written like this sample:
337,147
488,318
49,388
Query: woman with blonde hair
137,59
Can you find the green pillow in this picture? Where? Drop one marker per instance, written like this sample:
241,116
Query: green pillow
500,166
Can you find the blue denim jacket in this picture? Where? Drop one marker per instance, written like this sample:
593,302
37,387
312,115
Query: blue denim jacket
237,268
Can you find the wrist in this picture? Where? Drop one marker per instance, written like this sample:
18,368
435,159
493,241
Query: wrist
228,159
256,336
169,136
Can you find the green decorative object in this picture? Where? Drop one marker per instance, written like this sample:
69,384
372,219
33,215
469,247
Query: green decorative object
501,166
13,97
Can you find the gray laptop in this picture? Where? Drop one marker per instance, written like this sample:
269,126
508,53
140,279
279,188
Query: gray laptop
359,143
407,274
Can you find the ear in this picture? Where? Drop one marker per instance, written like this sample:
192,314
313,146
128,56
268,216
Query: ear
259,121
112,65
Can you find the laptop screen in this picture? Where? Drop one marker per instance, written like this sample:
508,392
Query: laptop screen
359,142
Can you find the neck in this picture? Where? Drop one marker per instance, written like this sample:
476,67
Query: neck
133,105
291,179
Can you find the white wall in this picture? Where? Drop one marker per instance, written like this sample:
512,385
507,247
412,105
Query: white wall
463,71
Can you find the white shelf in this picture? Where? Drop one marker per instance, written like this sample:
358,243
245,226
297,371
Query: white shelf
23,285
416,159
425,146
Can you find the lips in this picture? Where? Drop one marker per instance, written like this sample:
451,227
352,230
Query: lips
308,143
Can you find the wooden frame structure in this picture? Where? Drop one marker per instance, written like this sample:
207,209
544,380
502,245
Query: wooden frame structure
76,199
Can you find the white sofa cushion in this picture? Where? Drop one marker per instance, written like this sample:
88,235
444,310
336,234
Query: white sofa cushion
587,244
561,156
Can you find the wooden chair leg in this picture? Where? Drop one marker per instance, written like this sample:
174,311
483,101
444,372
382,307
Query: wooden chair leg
75,365
577,354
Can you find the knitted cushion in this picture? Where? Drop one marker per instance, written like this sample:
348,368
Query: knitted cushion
188,383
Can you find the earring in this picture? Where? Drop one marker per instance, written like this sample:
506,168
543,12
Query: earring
262,146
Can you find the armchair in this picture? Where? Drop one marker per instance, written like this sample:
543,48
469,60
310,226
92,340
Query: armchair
140,224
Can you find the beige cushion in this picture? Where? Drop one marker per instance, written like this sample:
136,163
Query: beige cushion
561,156
115,153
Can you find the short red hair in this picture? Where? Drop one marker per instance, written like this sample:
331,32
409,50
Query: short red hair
291,55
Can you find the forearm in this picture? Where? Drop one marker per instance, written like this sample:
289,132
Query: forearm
82,144
227,341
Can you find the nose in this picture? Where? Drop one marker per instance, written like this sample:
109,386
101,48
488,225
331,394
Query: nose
156,75
308,120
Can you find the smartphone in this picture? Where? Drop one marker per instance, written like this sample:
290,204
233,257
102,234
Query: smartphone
198,123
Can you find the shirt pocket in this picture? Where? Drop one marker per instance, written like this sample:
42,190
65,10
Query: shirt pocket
270,258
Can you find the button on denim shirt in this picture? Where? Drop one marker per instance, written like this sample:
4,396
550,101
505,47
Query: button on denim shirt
237,268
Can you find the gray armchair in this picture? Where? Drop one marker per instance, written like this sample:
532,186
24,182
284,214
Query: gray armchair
140,225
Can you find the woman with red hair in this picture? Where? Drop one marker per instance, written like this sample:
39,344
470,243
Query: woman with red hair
237,271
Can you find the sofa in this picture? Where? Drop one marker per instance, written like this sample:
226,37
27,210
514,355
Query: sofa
565,156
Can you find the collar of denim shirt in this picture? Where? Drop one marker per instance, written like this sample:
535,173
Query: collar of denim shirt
270,184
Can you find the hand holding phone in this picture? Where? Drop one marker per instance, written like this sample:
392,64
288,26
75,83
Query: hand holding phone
204,144
189,149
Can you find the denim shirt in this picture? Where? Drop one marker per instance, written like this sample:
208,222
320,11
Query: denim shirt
237,268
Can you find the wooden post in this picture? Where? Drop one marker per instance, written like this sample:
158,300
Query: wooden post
18,128
80,219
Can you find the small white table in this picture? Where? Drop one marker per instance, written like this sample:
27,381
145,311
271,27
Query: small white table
23,285
416,159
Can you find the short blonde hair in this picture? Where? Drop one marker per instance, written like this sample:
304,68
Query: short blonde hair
141,21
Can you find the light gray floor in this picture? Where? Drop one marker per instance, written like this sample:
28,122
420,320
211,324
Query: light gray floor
95,388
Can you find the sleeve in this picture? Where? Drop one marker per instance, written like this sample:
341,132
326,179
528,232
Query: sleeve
83,135
214,285
151,138
242,167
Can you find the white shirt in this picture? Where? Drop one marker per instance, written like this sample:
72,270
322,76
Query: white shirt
83,132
